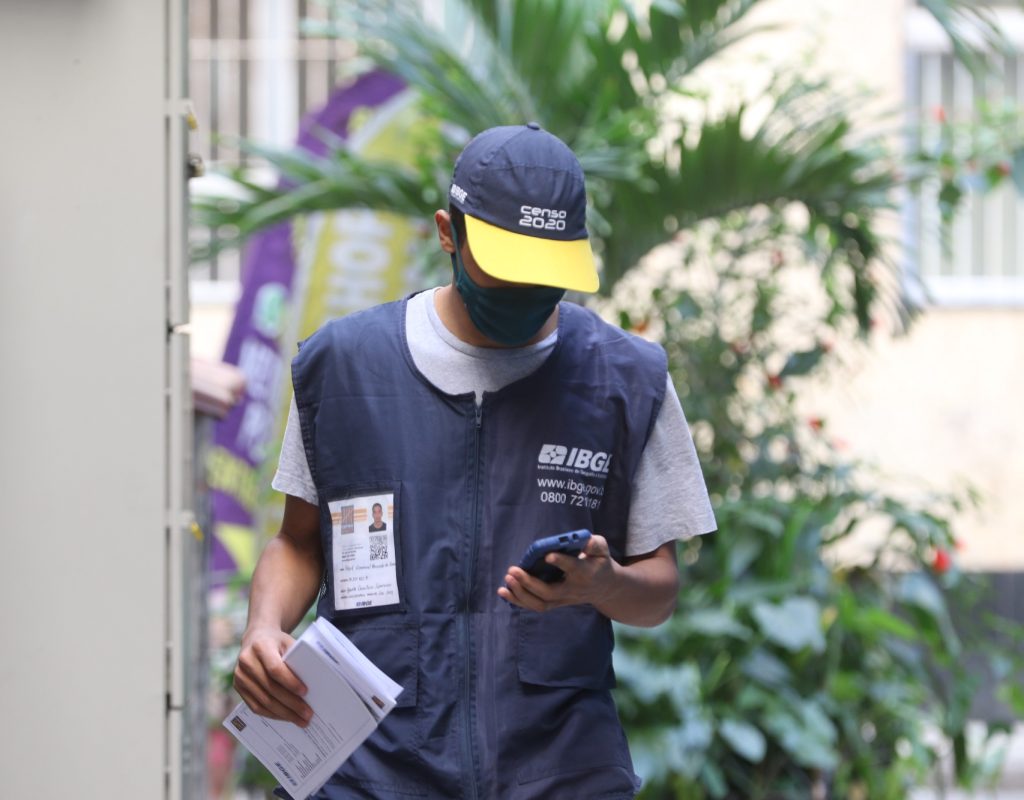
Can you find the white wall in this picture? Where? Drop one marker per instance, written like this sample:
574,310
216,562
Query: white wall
939,409
82,452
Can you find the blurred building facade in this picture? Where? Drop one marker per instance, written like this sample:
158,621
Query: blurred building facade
937,407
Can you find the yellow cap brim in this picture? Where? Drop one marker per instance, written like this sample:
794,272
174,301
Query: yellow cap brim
519,258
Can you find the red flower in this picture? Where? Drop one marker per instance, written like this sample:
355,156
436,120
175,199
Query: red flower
775,382
816,423
939,113
942,561
639,327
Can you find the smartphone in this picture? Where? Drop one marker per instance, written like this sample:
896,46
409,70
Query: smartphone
570,543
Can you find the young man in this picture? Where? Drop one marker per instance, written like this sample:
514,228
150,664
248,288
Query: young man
508,416
378,523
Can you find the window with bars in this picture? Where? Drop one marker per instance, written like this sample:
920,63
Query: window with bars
253,74
979,258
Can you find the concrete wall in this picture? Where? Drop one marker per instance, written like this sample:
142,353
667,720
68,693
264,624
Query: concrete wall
82,404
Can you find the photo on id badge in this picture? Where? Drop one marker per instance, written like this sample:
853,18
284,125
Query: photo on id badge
365,563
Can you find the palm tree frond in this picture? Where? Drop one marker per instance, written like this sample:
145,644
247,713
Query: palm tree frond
312,183
972,30
718,169
597,73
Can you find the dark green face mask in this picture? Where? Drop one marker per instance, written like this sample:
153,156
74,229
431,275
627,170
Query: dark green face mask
509,315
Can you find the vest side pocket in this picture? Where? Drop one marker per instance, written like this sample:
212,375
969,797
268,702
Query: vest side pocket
568,728
565,647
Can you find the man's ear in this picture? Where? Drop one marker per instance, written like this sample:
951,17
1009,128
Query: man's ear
444,230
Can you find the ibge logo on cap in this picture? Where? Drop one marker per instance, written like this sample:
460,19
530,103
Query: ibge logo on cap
458,193
546,219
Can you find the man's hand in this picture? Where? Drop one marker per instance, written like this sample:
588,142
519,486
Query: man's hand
265,682
284,585
640,592
589,577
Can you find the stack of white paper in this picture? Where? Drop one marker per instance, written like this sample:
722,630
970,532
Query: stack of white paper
349,696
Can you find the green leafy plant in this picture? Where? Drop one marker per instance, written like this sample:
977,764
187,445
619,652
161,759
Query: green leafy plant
971,155
789,671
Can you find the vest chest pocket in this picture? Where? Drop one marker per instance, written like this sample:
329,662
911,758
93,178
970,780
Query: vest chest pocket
565,647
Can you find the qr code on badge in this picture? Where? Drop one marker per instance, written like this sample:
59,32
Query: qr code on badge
347,519
378,548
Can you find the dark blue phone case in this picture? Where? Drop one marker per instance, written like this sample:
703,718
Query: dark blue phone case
570,543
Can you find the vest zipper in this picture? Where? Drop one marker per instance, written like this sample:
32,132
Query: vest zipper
465,627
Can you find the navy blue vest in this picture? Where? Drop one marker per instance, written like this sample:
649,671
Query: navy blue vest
498,702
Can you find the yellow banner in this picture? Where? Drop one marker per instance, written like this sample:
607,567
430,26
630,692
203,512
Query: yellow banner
348,260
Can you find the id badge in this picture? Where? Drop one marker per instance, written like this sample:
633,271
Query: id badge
365,563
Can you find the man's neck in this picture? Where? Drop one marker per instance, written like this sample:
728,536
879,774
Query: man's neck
452,312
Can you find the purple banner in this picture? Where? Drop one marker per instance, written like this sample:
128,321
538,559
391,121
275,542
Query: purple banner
242,440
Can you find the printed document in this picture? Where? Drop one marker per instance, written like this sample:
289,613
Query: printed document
349,696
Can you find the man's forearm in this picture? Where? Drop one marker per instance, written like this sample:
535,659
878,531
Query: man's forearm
284,585
642,593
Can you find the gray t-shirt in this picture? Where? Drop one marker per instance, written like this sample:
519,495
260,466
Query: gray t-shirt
670,500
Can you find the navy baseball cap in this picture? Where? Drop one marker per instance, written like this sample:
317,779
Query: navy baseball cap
521,189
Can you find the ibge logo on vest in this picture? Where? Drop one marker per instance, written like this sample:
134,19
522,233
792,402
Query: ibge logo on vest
580,458
586,465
